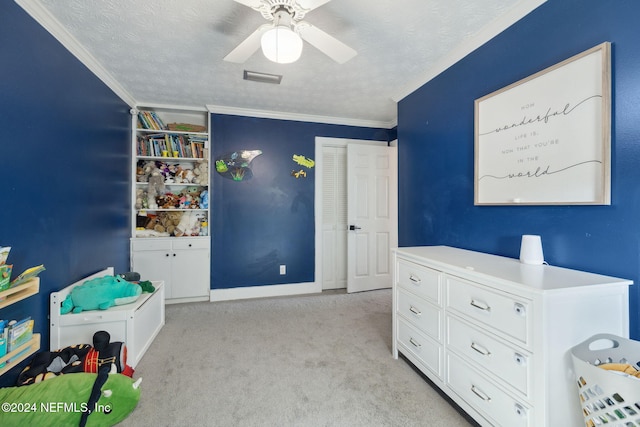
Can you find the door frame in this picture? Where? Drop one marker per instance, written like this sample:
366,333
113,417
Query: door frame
320,143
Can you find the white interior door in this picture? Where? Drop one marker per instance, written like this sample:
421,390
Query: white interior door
333,165
372,215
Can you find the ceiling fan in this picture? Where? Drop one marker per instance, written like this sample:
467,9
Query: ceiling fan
281,39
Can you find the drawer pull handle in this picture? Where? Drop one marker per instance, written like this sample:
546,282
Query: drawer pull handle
480,394
480,305
415,279
415,343
480,349
415,311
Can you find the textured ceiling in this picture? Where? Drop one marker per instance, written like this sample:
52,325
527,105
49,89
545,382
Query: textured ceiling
170,51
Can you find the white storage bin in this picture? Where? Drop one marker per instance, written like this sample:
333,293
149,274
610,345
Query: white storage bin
607,397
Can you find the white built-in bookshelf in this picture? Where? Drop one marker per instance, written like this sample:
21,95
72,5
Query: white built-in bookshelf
171,176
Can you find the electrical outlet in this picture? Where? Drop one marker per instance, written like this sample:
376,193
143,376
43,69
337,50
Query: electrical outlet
283,269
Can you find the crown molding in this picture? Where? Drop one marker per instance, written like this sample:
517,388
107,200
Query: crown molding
465,48
53,26
280,115
187,108
43,17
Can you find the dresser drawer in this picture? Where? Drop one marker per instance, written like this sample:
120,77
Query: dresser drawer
512,366
151,244
428,351
186,243
420,280
488,399
423,314
504,313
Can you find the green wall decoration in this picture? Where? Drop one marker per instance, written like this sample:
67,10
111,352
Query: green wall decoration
236,165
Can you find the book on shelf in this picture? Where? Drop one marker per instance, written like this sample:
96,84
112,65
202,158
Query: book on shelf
3,340
5,277
28,274
171,145
150,120
19,333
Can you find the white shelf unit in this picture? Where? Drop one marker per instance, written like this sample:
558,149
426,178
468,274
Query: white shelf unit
11,296
181,262
495,335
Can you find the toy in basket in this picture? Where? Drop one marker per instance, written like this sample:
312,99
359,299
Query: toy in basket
606,366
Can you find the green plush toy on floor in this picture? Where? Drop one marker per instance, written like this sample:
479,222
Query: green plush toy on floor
79,399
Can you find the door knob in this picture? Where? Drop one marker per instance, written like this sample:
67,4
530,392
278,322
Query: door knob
354,227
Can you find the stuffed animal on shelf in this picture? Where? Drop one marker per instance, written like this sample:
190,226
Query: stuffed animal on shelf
140,176
168,201
141,199
168,221
204,199
188,176
201,172
144,169
188,226
156,188
100,294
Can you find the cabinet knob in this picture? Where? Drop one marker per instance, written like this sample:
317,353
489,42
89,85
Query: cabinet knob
520,410
174,254
189,244
166,255
520,359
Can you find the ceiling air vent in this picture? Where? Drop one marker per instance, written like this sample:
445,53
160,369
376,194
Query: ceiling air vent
255,76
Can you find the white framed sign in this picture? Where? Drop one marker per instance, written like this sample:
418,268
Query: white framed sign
546,139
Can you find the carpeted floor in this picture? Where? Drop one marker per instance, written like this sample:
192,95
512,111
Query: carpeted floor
318,360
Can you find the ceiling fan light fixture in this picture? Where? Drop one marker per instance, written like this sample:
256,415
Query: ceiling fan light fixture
281,44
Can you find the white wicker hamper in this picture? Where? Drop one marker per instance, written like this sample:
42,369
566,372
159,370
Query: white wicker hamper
607,397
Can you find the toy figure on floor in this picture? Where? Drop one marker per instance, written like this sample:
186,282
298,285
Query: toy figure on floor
76,359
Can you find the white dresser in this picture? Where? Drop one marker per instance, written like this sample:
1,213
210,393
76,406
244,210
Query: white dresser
494,334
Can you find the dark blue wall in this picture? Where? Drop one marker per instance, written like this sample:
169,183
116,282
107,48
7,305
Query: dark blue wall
435,133
268,220
65,166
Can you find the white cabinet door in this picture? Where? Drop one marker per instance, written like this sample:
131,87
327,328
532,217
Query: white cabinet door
190,273
154,265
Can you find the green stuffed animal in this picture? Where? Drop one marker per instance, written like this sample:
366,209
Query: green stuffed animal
100,294
66,401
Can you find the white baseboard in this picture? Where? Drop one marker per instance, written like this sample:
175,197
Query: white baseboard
264,291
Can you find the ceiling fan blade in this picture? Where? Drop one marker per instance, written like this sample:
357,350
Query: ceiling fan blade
248,47
310,4
325,43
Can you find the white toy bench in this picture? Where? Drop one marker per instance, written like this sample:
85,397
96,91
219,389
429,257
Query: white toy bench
135,324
